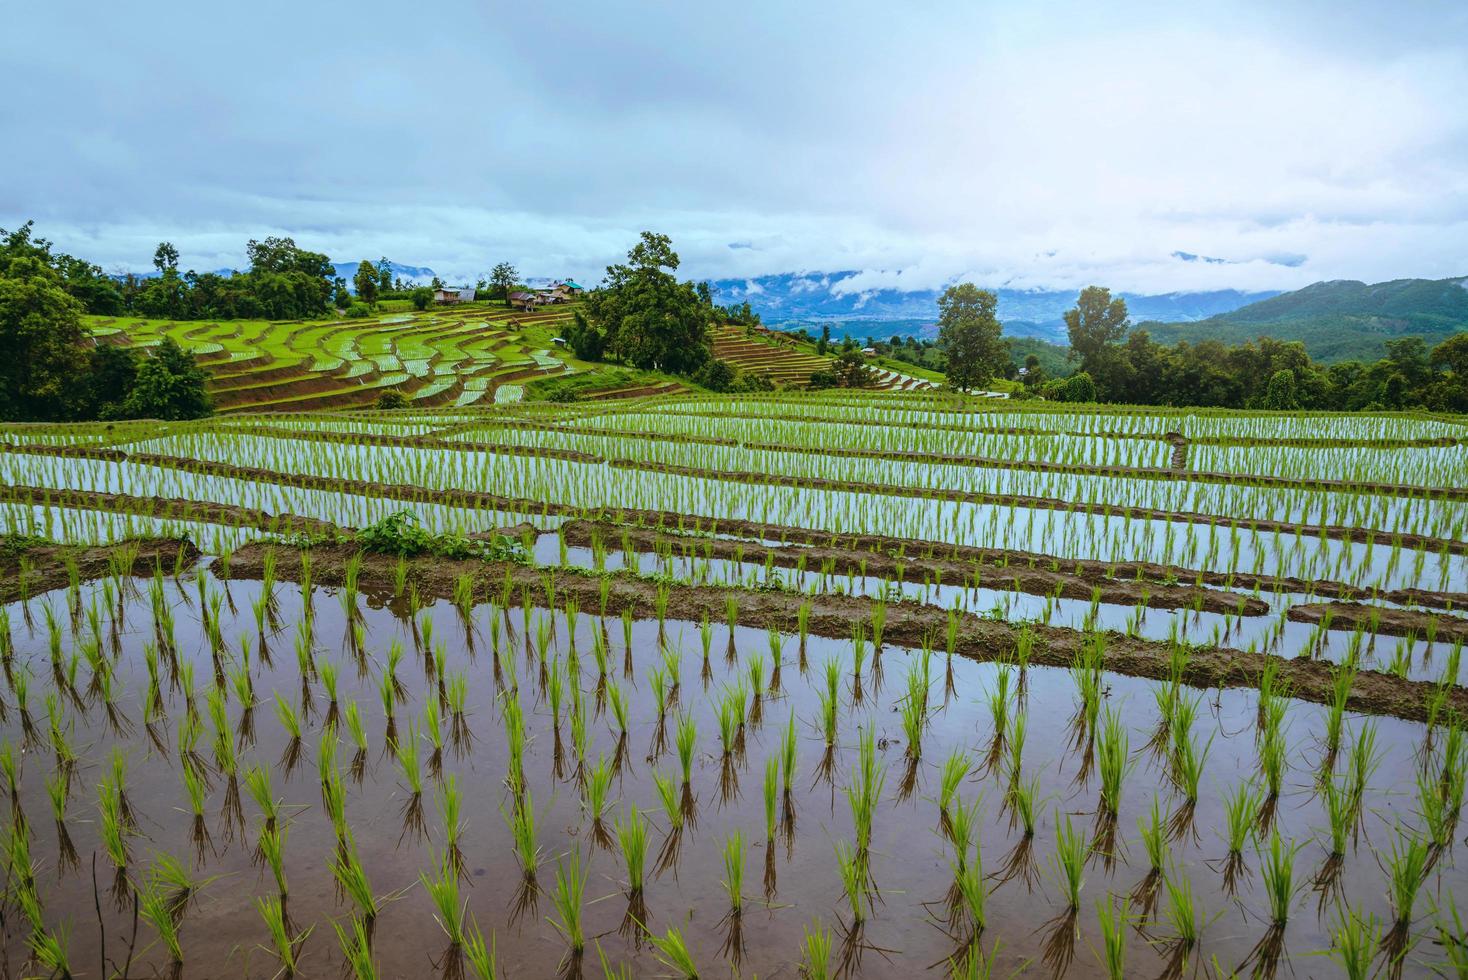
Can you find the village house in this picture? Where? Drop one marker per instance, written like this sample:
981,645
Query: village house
454,294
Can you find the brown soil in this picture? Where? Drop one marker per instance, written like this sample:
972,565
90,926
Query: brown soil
47,569
1382,620
907,624
1088,570
1029,577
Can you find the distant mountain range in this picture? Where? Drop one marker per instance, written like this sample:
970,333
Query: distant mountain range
1338,320
412,273
833,298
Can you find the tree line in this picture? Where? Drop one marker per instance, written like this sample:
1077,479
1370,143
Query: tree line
1113,362
1124,365
53,371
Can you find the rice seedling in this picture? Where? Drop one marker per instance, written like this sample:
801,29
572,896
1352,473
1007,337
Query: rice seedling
272,849
1407,865
352,881
1112,919
1114,761
521,821
632,843
815,953
1071,851
412,772
285,943
356,947
671,950
290,721
58,791
480,956
733,882
568,899
1278,877
1184,919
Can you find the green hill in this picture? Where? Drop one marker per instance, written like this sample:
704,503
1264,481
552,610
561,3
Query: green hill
1339,320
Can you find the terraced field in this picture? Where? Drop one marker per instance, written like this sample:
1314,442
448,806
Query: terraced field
441,357
783,363
881,684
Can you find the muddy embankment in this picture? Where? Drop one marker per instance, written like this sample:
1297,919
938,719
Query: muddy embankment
1029,576
1382,621
45,566
832,616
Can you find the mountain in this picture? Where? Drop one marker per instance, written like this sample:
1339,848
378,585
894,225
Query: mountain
1338,320
815,299
412,273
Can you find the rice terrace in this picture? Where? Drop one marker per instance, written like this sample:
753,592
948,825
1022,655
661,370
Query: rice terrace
794,491
868,682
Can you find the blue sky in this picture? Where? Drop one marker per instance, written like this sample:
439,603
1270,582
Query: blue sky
1027,144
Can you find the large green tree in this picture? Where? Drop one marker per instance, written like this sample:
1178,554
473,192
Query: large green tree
44,344
501,280
366,282
169,385
645,316
969,333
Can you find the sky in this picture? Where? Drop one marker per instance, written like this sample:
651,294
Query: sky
1151,147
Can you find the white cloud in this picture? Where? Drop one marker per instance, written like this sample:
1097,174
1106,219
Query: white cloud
1033,144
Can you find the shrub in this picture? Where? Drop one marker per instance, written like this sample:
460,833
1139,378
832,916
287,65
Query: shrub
401,534
359,310
421,297
715,375
392,398
1078,388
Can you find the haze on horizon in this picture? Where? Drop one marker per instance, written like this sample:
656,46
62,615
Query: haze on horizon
1144,146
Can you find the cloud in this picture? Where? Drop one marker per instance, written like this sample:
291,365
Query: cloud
1044,144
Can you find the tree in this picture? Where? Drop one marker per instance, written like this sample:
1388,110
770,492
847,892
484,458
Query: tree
384,275
44,343
824,343
1094,323
366,282
169,386
502,279
645,316
165,257
1078,388
421,297
715,375
1280,395
968,332
341,296
111,375
391,399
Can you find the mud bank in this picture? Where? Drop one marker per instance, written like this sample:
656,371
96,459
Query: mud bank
907,624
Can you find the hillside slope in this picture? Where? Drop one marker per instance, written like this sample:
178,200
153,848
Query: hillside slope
1338,320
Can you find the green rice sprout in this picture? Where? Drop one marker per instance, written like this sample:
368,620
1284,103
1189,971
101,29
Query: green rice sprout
443,889
283,944
1354,942
351,878
480,955
733,882
1277,869
853,880
1111,916
632,842
356,946
671,950
1071,851
272,848
815,953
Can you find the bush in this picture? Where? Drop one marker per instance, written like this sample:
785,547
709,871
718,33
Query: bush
401,534
715,375
391,399
1078,388
421,297
359,310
